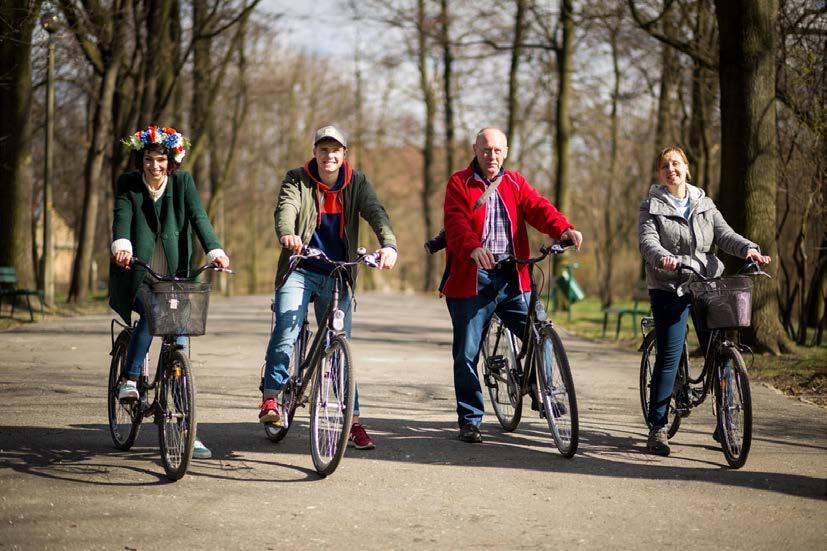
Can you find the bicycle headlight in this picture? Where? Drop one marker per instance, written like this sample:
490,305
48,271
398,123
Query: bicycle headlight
540,311
338,321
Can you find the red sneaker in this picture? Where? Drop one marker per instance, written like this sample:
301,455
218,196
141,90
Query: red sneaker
359,438
269,412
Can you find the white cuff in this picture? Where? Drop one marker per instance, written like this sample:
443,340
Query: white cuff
215,253
122,245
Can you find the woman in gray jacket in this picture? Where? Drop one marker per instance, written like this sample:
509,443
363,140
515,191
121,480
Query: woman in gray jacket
678,224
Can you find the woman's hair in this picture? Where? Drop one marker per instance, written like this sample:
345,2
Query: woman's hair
679,151
136,158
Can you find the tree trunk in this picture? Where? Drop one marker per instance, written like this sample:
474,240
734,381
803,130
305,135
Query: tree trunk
447,81
699,142
748,40
200,90
17,20
565,56
514,71
429,97
93,169
608,210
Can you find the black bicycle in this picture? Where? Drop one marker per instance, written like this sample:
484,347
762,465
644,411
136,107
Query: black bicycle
547,376
173,307
325,368
721,306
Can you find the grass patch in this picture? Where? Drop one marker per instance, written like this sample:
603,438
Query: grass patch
803,374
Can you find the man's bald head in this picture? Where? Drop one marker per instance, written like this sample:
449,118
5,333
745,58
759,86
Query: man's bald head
491,150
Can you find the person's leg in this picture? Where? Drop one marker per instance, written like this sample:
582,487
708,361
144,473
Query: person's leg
469,317
670,314
139,343
290,309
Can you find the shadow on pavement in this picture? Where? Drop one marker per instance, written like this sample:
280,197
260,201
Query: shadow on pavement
84,453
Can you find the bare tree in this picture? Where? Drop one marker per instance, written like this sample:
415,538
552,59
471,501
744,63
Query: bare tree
17,21
749,38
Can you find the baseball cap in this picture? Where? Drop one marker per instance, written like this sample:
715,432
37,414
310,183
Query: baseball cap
329,132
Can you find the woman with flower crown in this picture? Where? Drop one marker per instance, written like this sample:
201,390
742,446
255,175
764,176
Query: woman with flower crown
157,209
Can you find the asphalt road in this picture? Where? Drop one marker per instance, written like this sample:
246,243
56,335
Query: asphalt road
64,486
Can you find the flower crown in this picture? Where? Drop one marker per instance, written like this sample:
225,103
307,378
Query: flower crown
168,137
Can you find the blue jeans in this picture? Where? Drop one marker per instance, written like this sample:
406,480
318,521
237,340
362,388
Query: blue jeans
671,313
292,300
140,343
498,291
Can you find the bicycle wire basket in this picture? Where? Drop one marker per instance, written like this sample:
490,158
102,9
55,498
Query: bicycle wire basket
723,303
176,307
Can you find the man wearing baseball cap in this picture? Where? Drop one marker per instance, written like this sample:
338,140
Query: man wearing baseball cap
319,205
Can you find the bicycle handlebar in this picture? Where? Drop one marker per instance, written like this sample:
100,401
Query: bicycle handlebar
371,260
554,248
158,277
749,265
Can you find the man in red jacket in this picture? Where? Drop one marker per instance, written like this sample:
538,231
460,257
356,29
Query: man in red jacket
480,230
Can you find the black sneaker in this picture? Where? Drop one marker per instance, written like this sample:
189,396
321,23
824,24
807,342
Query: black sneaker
658,442
470,433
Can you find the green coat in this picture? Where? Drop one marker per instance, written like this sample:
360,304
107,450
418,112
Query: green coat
297,209
135,218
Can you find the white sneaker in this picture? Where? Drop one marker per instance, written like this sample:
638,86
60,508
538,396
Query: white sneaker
128,390
200,451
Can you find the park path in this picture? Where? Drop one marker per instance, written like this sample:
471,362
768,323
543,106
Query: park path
64,486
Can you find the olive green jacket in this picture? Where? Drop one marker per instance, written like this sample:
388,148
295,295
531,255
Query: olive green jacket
136,219
297,211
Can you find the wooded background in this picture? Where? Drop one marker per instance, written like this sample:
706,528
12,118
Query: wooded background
587,91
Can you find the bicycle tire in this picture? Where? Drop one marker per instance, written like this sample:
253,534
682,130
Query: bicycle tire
287,397
176,414
499,374
733,401
124,417
647,366
555,391
331,409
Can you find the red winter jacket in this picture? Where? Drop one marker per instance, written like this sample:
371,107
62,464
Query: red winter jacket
463,226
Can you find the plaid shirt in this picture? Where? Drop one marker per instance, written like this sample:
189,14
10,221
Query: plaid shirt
496,234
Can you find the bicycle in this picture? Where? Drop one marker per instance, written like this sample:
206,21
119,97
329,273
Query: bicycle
720,305
325,368
546,378
174,307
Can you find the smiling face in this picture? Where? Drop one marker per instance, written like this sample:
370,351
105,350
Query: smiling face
155,166
673,171
491,150
329,155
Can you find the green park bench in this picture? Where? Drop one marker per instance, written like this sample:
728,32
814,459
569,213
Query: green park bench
8,288
640,307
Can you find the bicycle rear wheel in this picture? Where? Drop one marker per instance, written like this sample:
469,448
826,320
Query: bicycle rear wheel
555,389
733,402
176,414
124,417
500,374
288,397
331,409
647,367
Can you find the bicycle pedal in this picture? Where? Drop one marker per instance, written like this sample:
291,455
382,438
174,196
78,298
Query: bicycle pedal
682,412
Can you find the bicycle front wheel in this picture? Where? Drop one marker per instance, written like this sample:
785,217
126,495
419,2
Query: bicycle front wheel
734,407
555,391
176,411
331,409
124,417
500,374
647,368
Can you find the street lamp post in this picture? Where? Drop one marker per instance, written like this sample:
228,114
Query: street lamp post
50,23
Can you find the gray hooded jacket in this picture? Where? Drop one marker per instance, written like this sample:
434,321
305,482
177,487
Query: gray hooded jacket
663,231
